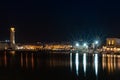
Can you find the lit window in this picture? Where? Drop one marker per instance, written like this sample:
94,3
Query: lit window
109,42
112,41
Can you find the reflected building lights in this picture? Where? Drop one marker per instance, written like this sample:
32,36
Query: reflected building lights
26,60
32,61
109,61
118,62
104,61
5,59
12,52
96,64
77,63
84,63
71,61
114,61
21,60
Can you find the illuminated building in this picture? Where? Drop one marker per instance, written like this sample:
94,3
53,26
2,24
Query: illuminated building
112,44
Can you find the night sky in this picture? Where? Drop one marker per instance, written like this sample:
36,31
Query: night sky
59,20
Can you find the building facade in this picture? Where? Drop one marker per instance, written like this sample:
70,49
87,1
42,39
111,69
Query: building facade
112,44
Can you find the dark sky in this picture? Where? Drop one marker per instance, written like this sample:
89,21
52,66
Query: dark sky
59,20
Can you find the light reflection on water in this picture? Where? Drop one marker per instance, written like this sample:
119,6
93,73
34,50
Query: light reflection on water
96,64
77,63
111,62
71,61
80,64
84,63
21,60
5,59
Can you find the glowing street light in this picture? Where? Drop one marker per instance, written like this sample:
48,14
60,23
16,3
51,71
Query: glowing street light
96,42
77,44
85,44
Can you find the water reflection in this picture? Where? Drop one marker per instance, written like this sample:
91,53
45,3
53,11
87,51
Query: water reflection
80,64
12,52
71,61
21,59
96,64
26,59
5,59
111,62
32,61
59,60
84,63
77,63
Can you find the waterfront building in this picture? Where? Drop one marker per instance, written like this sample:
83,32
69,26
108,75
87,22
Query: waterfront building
112,44
58,46
4,45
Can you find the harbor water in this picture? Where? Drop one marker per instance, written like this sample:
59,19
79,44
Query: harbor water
27,65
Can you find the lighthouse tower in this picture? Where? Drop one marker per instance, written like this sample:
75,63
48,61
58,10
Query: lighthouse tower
12,37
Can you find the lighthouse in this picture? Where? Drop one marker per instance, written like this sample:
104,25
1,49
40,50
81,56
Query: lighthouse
12,37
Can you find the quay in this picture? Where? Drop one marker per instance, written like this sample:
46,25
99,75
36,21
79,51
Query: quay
112,45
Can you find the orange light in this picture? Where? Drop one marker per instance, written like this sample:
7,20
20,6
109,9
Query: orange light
109,42
12,29
112,41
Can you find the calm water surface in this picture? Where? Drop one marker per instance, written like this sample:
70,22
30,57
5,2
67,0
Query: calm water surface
58,66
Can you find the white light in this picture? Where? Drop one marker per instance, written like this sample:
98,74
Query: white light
6,40
84,63
96,64
77,44
85,44
77,63
96,42
71,61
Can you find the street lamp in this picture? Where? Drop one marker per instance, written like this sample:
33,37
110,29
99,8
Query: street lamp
77,44
85,45
96,42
